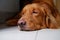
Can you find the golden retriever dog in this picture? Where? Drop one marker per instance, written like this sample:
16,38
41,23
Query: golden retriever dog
40,14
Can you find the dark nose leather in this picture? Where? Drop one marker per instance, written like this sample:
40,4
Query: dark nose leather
22,23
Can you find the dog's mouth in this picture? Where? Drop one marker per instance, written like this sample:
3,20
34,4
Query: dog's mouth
25,29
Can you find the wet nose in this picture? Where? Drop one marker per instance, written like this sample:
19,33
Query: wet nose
22,23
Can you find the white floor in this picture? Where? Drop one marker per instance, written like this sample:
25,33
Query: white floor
14,34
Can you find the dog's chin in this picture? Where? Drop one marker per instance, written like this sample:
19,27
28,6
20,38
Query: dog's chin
25,29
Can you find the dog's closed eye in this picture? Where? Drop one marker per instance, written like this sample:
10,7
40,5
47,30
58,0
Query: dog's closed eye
35,12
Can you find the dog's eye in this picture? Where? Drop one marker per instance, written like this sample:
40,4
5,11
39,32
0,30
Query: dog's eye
35,12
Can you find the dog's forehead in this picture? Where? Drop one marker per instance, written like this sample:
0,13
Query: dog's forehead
27,8
31,6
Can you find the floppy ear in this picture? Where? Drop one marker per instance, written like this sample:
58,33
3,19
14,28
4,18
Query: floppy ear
50,16
51,20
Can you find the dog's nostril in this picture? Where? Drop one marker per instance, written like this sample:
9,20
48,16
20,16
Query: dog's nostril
22,24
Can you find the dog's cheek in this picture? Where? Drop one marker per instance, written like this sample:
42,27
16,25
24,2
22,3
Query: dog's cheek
38,27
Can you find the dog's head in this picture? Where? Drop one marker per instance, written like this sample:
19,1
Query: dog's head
36,16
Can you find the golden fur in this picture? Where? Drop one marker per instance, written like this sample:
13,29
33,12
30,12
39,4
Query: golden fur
40,14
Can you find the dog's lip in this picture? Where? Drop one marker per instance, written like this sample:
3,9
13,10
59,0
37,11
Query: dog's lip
26,29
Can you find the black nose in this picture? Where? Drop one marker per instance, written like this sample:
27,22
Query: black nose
22,23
